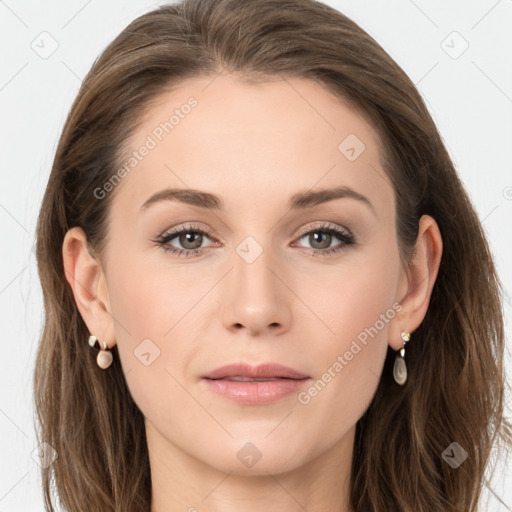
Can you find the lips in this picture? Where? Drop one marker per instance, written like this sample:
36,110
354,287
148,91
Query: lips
255,385
243,372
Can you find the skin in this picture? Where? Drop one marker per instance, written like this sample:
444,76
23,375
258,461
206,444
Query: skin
254,146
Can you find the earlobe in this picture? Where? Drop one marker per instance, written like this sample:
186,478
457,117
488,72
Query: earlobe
85,276
420,277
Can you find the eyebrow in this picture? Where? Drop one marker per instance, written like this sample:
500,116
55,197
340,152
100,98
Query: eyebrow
298,201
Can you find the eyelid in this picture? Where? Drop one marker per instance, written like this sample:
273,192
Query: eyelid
206,230
343,234
323,225
186,227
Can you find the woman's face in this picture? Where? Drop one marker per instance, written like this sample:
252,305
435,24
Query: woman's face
255,278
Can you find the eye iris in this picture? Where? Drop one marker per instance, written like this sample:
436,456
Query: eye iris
313,237
184,241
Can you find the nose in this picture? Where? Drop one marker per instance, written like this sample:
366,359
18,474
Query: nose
257,299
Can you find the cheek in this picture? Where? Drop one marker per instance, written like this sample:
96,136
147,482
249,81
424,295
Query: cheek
145,300
147,307
143,307
155,310
352,296
358,304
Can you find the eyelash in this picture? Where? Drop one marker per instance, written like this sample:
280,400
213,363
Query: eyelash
347,238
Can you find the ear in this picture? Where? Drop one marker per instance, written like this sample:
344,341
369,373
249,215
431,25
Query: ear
417,281
85,275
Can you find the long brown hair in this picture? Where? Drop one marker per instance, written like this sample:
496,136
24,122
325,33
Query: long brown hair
455,391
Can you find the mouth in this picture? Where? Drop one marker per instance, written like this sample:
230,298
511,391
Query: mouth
240,378
255,385
266,371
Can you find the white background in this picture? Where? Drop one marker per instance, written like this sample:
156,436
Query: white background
470,98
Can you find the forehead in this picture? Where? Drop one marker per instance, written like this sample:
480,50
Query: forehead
248,141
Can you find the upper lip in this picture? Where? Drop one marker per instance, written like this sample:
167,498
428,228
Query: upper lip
265,370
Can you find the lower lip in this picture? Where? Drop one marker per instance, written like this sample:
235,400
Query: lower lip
255,392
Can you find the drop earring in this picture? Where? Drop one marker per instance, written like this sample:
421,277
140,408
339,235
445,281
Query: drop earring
400,368
104,358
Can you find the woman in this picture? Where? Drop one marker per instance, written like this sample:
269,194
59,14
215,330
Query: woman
265,285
